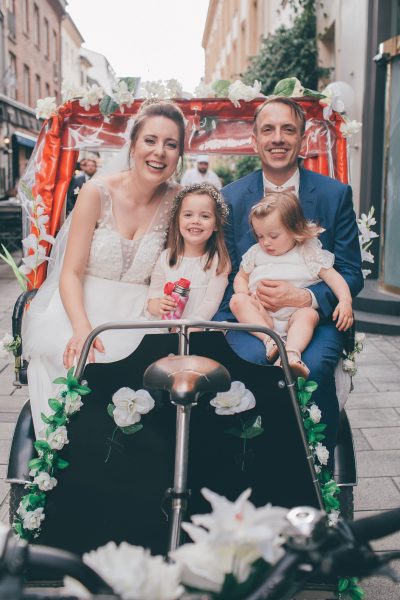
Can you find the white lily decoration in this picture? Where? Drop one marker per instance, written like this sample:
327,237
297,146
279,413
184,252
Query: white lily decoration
330,103
122,95
240,91
349,128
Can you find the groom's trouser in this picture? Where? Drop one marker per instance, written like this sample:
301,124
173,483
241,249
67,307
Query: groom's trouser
321,357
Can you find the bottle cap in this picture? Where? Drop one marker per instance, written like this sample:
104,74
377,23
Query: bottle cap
169,288
184,283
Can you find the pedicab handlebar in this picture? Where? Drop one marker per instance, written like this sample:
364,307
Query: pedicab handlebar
312,546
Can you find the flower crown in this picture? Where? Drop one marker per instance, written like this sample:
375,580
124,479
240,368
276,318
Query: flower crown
203,188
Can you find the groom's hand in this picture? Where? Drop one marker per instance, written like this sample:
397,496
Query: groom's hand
274,295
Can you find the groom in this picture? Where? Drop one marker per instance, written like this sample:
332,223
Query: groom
279,126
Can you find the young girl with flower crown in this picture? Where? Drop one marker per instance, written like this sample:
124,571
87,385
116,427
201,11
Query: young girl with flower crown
287,249
195,251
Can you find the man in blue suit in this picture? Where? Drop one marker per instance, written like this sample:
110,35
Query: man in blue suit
277,135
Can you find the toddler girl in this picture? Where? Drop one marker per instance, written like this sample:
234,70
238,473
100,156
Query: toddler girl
287,250
195,251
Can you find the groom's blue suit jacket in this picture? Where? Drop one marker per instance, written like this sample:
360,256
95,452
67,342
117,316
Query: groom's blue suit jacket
324,201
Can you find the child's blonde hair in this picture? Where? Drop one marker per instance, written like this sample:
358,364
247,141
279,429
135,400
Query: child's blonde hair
215,244
290,212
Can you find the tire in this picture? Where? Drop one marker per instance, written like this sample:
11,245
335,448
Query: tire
346,498
17,491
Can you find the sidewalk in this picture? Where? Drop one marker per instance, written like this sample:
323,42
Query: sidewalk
373,409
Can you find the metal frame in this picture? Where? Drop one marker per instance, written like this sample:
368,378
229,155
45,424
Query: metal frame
179,492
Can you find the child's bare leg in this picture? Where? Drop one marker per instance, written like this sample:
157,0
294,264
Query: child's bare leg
302,325
248,310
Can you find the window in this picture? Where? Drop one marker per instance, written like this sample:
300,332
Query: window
10,7
25,16
11,76
46,38
36,25
55,46
27,85
38,87
47,87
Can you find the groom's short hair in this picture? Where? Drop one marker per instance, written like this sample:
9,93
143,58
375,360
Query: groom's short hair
294,106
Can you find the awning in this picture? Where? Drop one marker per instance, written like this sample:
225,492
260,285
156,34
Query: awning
24,140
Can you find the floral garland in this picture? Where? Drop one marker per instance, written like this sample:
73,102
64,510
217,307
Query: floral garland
30,513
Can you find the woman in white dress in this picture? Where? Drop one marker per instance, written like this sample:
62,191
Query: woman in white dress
116,232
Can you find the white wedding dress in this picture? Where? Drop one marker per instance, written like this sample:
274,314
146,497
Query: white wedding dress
115,287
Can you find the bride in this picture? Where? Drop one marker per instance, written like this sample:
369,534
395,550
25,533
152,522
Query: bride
116,233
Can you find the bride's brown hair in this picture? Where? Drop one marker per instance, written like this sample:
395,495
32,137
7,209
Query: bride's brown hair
159,108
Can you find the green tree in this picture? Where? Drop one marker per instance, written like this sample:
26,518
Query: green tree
246,165
289,52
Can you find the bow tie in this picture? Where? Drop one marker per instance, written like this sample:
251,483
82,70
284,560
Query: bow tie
280,188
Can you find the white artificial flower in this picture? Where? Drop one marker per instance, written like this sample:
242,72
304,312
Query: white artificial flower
240,524
349,128
130,405
318,469
333,517
58,438
153,89
32,261
330,103
44,481
240,91
236,400
367,256
349,366
315,413
122,95
203,566
203,90
21,511
91,96
134,574
30,242
45,107
366,272
7,339
33,518
298,90
72,405
322,453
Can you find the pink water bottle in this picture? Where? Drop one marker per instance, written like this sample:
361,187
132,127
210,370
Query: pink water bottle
180,293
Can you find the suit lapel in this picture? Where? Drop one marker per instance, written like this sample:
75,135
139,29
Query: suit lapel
255,190
307,193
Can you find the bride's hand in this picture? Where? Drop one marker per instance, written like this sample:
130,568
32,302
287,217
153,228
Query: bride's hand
74,347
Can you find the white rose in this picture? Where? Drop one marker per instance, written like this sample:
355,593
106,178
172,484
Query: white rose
349,366
349,128
91,96
322,453
45,482
315,413
45,107
33,519
72,406
58,438
236,400
130,405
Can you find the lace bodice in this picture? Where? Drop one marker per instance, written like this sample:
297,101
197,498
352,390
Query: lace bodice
114,257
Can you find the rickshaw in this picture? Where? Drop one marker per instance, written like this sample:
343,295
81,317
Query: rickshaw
140,487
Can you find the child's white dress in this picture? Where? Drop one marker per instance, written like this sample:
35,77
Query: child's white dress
300,266
206,287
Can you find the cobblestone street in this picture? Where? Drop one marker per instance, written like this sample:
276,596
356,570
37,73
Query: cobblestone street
373,409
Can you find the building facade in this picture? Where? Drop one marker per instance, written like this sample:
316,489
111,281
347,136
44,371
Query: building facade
30,59
100,72
74,67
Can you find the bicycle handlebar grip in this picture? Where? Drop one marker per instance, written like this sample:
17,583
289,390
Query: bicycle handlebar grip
59,563
378,526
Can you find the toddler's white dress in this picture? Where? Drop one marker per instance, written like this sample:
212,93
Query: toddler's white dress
206,287
115,288
300,266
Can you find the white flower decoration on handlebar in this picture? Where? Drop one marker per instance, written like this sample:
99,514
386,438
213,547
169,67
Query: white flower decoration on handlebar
235,400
